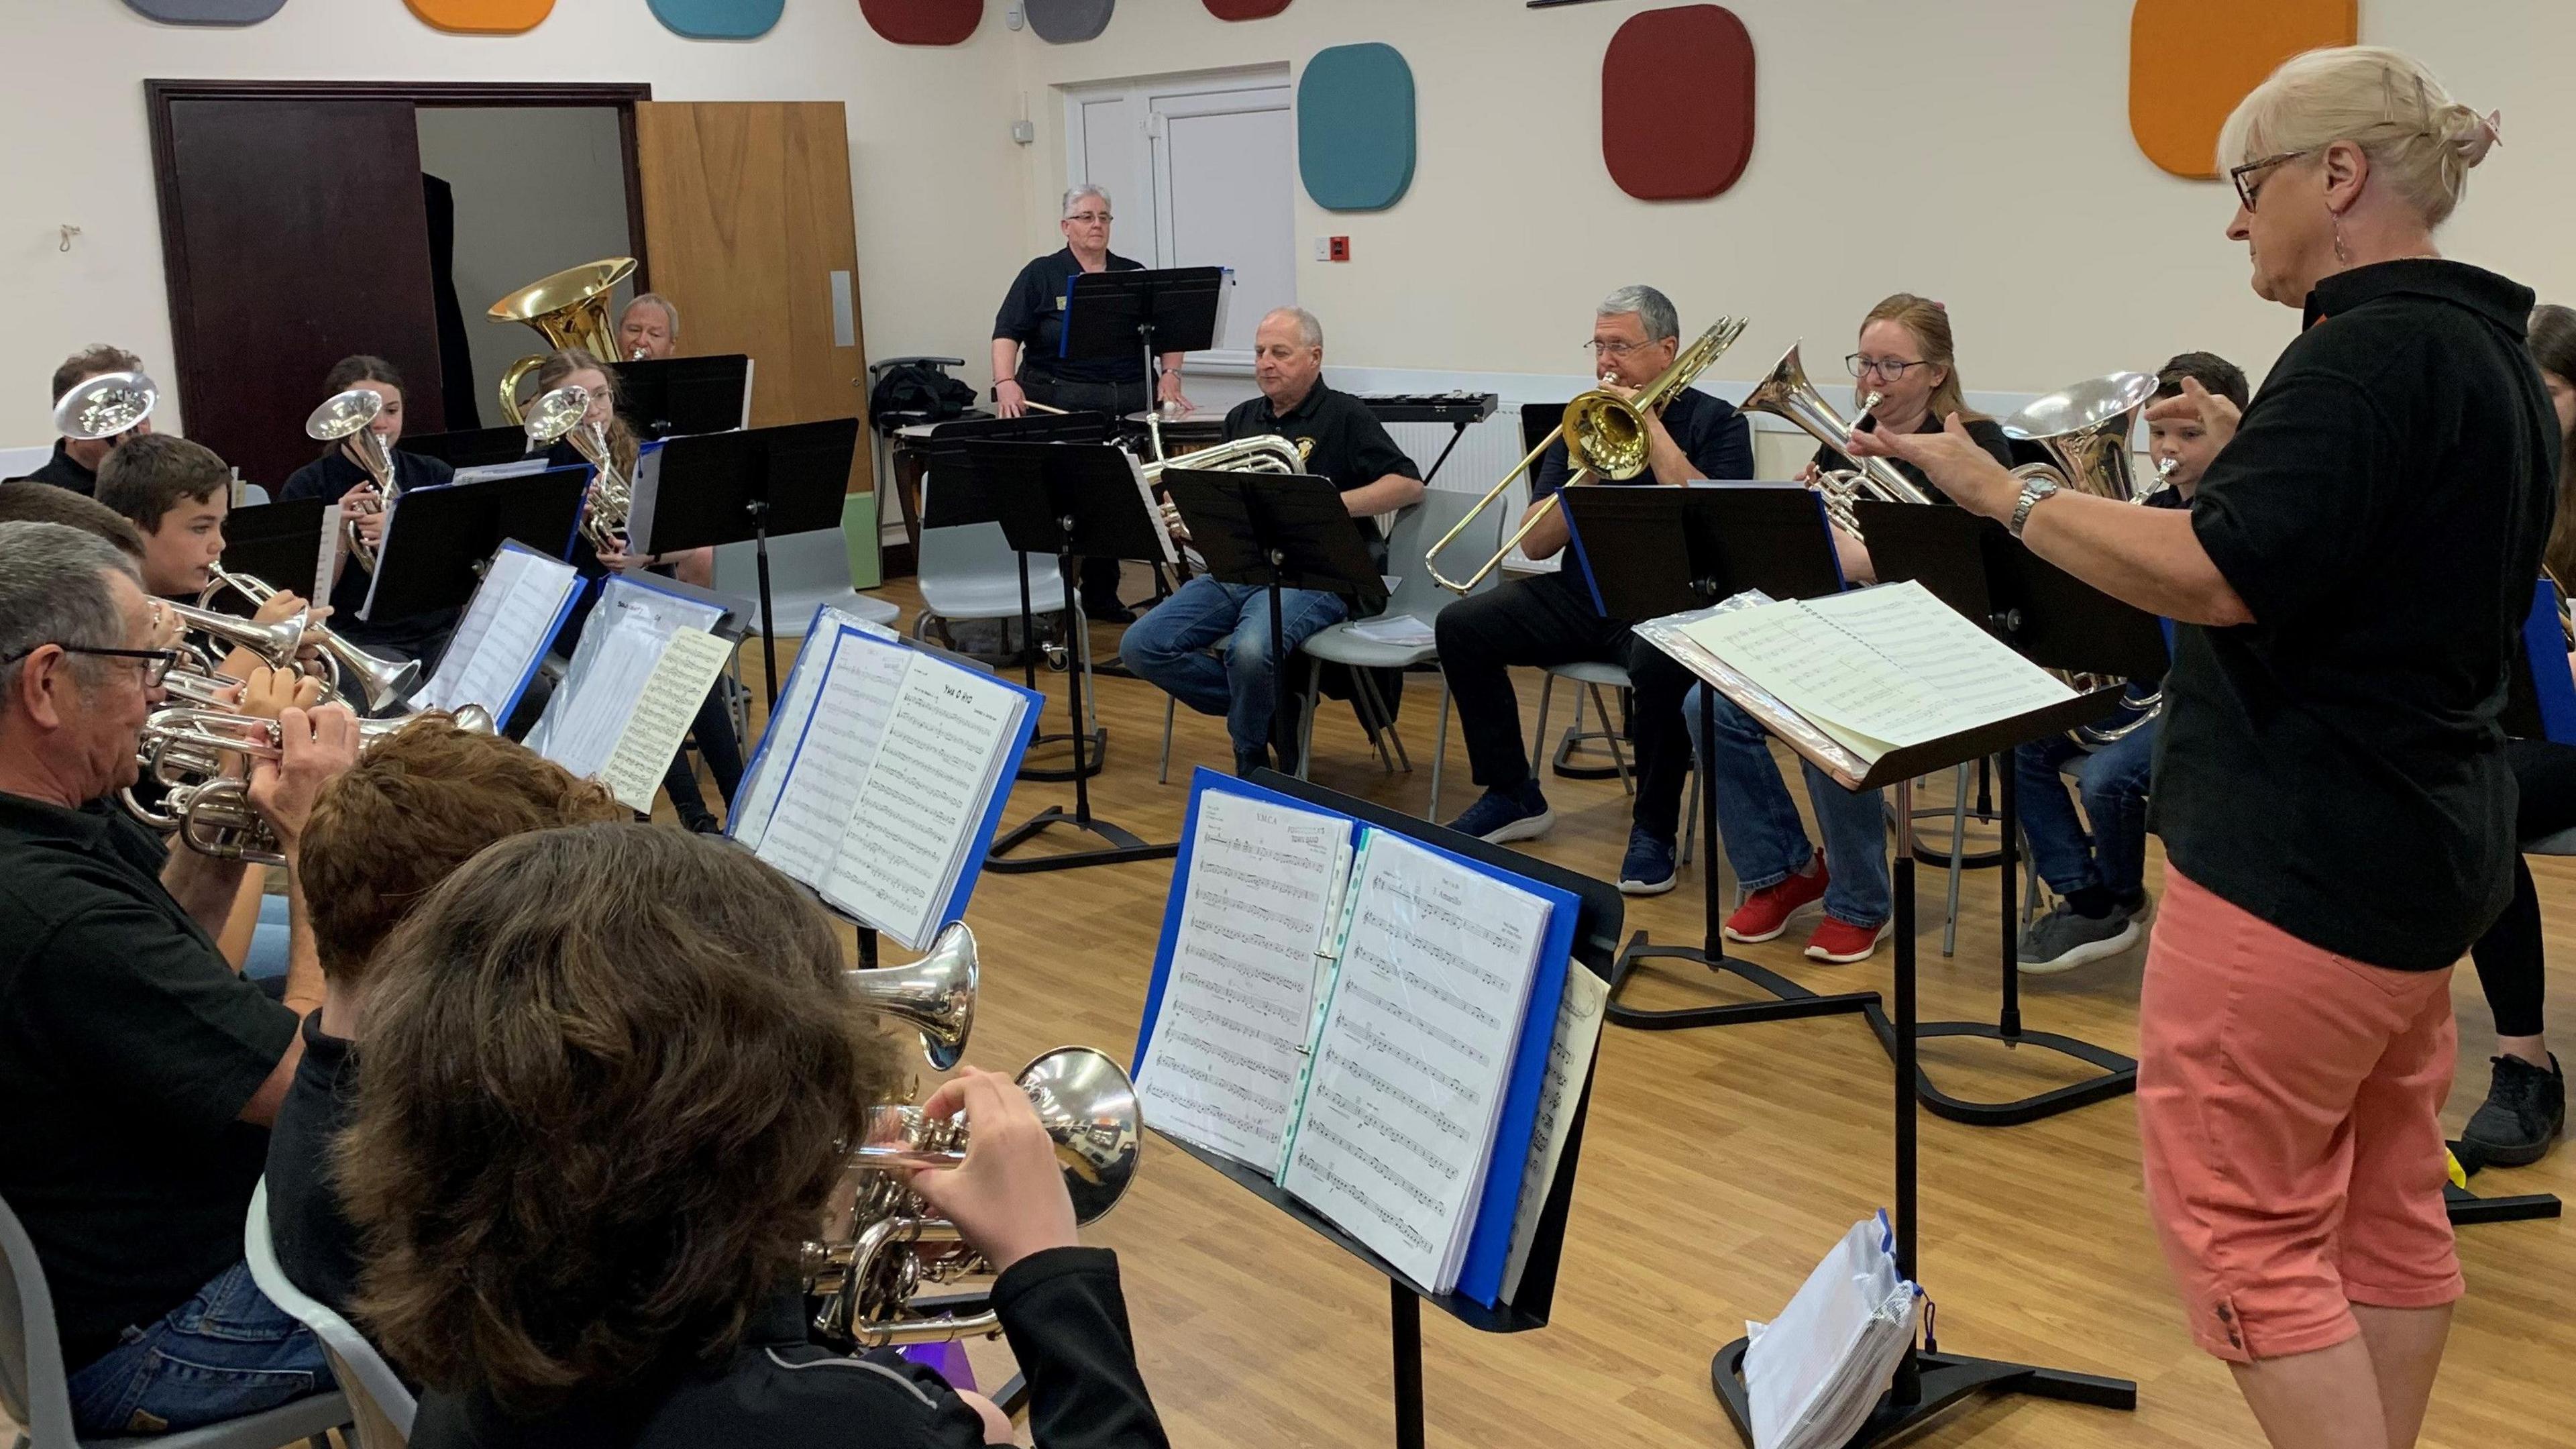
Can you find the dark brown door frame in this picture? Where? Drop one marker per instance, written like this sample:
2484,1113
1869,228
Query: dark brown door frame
159,94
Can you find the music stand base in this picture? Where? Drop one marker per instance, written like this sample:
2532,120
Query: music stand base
1095,754
1947,1378
2468,1210
1123,846
2119,1076
1791,1000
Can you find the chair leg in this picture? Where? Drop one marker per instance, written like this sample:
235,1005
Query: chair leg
1539,752
1306,718
1690,811
1609,736
1373,713
1163,771
1958,853
1439,751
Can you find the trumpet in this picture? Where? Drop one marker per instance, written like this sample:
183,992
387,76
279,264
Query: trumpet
379,682
345,418
189,748
1604,433
883,1243
560,415
1787,393
109,405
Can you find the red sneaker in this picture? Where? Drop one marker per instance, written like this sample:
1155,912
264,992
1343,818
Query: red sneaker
1766,912
1842,943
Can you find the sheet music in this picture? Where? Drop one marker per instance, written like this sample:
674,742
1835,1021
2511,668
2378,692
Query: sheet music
1222,1066
504,632
1974,675
1569,1066
748,820
819,796
326,564
1406,1084
588,711
661,713
925,793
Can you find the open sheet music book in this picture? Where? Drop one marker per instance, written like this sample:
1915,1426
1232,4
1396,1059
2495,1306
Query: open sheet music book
1366,1020
646,659
881,778
523,599
1851,678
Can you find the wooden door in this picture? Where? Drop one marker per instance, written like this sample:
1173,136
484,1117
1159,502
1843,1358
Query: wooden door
295,234
748,219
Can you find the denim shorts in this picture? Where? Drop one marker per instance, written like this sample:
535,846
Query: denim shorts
222,1354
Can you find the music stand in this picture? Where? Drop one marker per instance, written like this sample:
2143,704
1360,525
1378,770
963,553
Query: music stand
1275,532
472,448
1072,501
669,397
440,539
750,484
277,543
1678,549
959,500
1167,309
2056,621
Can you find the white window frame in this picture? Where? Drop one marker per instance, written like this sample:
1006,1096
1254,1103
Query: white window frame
1150,99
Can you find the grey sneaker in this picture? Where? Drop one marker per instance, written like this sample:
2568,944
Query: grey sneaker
2063,940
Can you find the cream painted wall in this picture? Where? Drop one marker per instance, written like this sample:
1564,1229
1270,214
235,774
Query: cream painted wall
1973,150
938,184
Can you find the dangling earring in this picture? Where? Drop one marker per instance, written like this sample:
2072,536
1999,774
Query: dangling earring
2342,256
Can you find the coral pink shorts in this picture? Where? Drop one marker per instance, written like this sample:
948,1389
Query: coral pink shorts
2287,1102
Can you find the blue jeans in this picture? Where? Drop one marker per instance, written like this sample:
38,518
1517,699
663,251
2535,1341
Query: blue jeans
268,941
2114,786
1765,840
1169,648
222,1354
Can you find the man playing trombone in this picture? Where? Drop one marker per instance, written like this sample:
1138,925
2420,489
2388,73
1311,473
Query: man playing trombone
1547,619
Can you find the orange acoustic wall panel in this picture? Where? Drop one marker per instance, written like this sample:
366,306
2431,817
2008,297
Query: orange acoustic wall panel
2191,61
488,17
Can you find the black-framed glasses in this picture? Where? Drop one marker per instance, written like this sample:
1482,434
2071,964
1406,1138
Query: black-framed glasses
1890,368
156,662
2246,194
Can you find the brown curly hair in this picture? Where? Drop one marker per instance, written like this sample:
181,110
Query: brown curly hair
604,1079
415,807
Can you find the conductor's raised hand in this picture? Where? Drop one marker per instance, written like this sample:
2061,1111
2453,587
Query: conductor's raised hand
1008,1197
314,745
1951,459
2216,415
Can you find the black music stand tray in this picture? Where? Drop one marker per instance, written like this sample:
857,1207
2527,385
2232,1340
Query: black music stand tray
754,484
1596,938
277,543
1070,501
441,539
1667,550
1275,532
1167,309
1927,1380
472,448
670,397
2056,621
960,499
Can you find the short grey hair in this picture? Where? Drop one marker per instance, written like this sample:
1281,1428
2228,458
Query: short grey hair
670,310
54,590
1076,193
1648,306
1309,331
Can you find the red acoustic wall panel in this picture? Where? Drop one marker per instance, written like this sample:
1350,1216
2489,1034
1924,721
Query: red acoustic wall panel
923,22
1677,102
1245,9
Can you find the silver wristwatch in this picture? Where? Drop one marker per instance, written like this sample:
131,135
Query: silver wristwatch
2032,491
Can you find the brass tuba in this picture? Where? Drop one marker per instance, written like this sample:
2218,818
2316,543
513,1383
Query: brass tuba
568,309
345,418
1786,393
109,405
1605,434
376,681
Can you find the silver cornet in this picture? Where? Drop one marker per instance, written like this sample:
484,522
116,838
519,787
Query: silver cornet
378,682
190,749
935,995
561,415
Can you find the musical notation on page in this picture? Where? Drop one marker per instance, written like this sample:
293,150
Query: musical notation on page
1569,1066
939,748
1225,1059
660,713
832,754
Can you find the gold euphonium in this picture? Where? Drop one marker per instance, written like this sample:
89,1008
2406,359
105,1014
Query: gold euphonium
378,681
1605,435
568,309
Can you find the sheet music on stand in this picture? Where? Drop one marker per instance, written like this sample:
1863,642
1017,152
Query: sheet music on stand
879,781
1815,1372
644,663
523,599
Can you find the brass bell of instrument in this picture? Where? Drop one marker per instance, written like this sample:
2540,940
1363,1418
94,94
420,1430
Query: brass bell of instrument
568,309
935,995
106,406
377,681
2085,429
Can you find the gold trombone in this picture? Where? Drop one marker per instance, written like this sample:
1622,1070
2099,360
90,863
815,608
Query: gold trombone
1604,433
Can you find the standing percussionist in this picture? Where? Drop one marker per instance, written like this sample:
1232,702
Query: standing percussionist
2333,793
1549,619
1168,647
1029,332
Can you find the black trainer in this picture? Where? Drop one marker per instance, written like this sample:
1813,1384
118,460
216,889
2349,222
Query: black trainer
2524,1112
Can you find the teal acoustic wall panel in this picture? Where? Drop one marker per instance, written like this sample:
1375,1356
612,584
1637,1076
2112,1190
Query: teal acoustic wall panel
1355,127
718,19
1062,22
209,12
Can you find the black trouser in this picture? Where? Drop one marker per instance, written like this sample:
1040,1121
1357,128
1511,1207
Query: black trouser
1542,621
2508,956
1100,576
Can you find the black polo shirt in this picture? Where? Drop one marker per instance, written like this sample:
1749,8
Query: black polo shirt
1986,433
328,478
1033,315
2336,766
1716,438
1351,446
64,471
1061,1310
315,1242
127,1048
